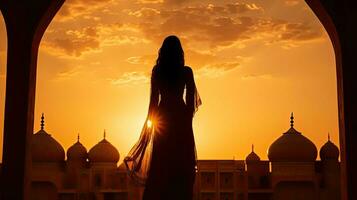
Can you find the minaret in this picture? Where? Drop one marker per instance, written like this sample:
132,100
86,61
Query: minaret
42,121
256,170
76,162
292,120
330,166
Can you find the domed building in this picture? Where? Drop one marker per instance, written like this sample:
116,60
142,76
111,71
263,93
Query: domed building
292,158
77,152
48,164
76,164
103,158
252,157
103,152
295,171
329,151
44,148
292,172
257,173
292,146
83,175
330,170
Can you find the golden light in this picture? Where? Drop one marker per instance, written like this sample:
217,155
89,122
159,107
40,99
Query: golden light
149,123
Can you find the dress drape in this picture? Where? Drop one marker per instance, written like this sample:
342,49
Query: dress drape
164,158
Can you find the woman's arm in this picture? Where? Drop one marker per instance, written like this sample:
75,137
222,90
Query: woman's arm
154,96
190,90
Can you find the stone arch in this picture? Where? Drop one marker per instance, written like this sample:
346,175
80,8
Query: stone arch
337,16
3,52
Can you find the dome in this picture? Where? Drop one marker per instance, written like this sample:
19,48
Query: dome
252,157
329,151
103,152
45,148
292,146
77,152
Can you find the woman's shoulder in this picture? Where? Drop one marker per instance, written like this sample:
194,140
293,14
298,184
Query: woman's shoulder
187,69
154,68
188,73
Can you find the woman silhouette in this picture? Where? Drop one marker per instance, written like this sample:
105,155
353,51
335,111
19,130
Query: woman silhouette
164,158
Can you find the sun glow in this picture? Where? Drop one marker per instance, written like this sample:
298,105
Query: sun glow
149,123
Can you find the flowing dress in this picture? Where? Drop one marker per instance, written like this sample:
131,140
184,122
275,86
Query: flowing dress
164,159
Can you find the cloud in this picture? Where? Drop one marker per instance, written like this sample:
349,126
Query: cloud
256,76
200,26
150,1
73,9
142,60
175,2
239,8
72,42
217,69
75,42
131,78
290,34
206,30
168,2
118,34
68,73
147,13
136,60
215,26
292,2
297,32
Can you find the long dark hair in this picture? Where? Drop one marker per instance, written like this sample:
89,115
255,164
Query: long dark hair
171,53
169,62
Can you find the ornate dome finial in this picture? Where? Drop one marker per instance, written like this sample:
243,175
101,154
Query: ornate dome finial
292,120
104,134
328,136
42,121
45,148
252,147
78,137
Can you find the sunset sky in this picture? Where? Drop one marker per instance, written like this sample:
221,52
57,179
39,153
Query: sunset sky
254,61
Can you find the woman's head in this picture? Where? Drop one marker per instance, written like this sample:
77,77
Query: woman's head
171,53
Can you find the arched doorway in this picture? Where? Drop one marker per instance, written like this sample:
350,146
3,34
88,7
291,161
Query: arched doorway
3,52
346,88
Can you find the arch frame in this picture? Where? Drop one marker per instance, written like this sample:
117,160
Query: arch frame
338,17
27,20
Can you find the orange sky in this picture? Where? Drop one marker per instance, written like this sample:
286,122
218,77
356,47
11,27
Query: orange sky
254,61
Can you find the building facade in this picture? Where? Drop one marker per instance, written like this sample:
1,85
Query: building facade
292,172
